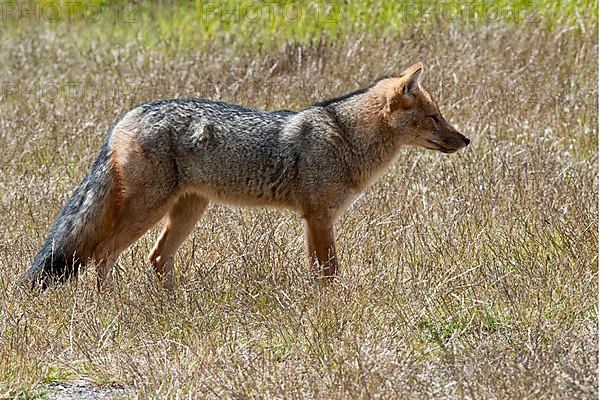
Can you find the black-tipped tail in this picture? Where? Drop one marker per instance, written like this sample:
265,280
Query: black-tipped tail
71,239
53,264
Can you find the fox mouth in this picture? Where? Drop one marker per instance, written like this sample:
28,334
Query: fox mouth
431,145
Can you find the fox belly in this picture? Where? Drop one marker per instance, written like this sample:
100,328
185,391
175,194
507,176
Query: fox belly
243,179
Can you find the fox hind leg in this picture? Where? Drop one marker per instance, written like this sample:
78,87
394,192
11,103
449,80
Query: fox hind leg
131,224
179,223
146,187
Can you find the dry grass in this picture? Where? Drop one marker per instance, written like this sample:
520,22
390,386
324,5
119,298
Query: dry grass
473,275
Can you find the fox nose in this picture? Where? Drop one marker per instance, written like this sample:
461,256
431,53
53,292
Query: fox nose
467,141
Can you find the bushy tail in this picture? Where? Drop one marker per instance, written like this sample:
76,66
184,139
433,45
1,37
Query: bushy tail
71,239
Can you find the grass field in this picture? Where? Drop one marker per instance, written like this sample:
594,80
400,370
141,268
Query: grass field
473,275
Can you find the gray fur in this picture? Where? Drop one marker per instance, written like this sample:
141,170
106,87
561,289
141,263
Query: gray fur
244,156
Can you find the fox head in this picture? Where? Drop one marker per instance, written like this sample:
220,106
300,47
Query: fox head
414,116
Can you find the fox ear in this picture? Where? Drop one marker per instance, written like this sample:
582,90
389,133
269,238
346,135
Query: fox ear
404,89
412,78
394,97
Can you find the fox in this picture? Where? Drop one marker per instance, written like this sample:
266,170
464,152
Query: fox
167,160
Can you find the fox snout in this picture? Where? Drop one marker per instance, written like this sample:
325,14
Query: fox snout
456,141
447,141
462,140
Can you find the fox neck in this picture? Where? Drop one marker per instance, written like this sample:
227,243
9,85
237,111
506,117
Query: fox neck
373,144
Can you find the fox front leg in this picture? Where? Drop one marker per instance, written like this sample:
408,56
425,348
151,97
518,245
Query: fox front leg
320,245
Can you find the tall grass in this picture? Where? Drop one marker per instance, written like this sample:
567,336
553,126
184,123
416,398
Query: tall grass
466,276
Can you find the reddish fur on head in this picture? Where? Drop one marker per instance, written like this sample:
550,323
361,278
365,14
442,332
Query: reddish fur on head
415,117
